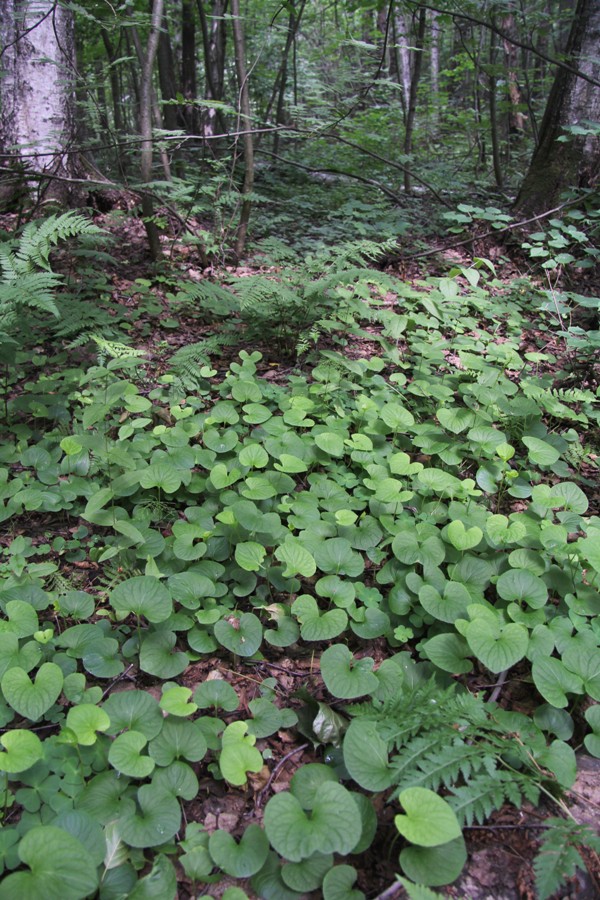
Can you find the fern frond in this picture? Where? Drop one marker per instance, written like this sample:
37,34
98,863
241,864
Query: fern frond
206,297
38,238
115,349
559,857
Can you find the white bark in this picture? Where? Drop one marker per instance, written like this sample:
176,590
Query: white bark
36,85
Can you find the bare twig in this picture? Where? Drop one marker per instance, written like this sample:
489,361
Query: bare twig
280,764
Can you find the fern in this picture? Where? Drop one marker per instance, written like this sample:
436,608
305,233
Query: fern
456,742
205,298
559,857
27,283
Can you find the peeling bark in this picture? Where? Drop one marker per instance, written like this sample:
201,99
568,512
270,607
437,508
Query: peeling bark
37,109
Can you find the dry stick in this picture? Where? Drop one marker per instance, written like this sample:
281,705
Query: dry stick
279,765
395,890
499,684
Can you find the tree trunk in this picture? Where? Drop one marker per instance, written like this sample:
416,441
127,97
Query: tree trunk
412,100
556,164
188,64
146,127
245,122
214,39
37,98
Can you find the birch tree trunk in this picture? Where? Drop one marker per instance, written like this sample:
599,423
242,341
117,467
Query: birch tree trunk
37,98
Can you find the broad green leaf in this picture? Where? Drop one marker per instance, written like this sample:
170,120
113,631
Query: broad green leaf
521,586
32,699
346,677
142,596
455,418
22,749
449,607
134,711
541,452
330,442
176,701
269,884
240,634
554,681
449,652
434,866
154,822
85,721
254,456
268,718
497,646
291,464
163,475
366,756
308,874
178,739
217,693
238,754
240,860
296,558
463,538
317,625
125,755
332,826
178,779
501,531
158,656
335,556
159,884
250,556
337,884
428,820
306,782
59,868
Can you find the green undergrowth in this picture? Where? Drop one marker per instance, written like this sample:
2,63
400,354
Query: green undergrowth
418,495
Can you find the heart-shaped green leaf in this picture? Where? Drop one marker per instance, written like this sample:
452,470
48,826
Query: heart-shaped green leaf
317,625
496,645
346,677
32,699
337,884
143,596
297,559
155,821
333,825
250,556
85,720
60,867
554,681
428,820
126,757
22,749
240,634
434,866
243,859
238,754
217,693
307,875
463,538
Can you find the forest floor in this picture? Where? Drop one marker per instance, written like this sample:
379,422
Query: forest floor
501,851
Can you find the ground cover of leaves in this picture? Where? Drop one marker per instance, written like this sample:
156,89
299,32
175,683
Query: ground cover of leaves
501,852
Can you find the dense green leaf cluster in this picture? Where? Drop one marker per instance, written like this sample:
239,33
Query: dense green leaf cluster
424,497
